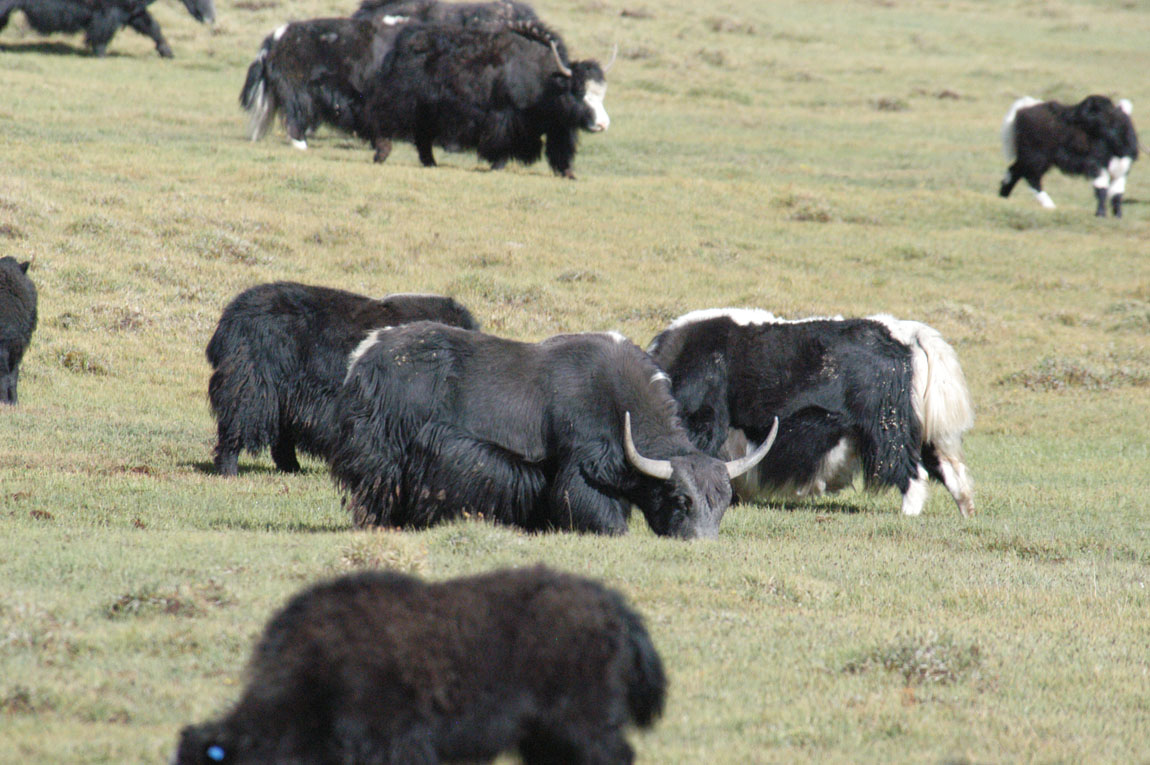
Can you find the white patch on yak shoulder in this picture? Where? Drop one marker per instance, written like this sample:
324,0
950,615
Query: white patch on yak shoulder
280,30
596,92
1044,199
392,21
743,317
364,346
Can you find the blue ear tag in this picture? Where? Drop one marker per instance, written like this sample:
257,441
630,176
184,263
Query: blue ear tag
215,753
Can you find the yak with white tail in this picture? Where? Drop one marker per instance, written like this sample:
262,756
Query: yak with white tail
879,394
1094,138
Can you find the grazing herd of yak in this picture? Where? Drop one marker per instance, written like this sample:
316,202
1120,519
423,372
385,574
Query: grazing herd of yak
422,418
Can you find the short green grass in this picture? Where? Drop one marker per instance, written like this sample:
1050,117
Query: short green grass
803,157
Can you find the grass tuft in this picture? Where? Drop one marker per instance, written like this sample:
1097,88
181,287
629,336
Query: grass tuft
181,601
1055,374
82,362
385,548
920,658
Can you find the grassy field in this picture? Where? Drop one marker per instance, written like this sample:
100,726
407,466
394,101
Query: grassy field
803,157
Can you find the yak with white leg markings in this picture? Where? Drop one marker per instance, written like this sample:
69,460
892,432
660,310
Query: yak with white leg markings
497,92
881,391
99,20
279,356
483,15
1094,138
438,423
17,322
379,667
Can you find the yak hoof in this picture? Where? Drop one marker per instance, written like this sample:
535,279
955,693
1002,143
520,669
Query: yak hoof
164,51
569,174
382,150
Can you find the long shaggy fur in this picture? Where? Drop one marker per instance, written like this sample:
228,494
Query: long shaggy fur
279,356
499,93
99,20
488,15
18,301
883,392
436,422
382,668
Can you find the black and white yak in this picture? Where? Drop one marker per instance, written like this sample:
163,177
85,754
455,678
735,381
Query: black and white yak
379,667
886,393
1094,138
314,72
17,322
497,92
438,423
99,20
279,356
490,15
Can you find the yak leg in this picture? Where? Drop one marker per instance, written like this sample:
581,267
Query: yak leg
146,25
382,149
560,150
283,452
1033,176
227,459
914,497
1119,167
423,143
8,379
946,465
1101,190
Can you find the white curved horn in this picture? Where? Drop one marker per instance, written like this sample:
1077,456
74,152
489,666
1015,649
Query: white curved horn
562,67
611,63
660,469
736,468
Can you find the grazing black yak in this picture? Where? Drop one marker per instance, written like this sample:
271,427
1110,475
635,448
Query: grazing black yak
879,395
497,92
382,668
100,19
437,422
1094,138
17,321
279,355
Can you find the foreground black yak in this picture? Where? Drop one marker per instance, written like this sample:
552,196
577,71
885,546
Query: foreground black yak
314,72
1094,138
279,355
880,391
381,668
492,14
17,321
438,422
99,20
497,92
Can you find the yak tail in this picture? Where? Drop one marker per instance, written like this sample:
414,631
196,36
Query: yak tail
646,680
1009,149
257,97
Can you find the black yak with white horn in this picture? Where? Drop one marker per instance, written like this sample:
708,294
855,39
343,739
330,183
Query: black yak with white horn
1094,138
567,434
878,394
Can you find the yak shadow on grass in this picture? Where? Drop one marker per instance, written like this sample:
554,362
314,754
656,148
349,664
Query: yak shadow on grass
206,467
797,505
53,49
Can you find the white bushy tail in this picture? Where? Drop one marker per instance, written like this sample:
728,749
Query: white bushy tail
1009,150
257,98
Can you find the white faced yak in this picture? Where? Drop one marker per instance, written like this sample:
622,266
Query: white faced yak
1094,138
100,19
887,392
437,423
17,322
378,667
497,92
279,355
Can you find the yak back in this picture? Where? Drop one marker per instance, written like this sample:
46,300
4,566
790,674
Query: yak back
539,401
331,49
490,15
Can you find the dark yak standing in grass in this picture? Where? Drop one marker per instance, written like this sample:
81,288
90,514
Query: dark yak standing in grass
279,355
437,422
1094,138
486,15
497,92
379,667
17,322
885,392
317,72
100,19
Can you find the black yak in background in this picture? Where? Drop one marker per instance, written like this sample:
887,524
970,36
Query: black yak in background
99,20
315,72
279,356
497,92
17,322
1094,138
883,392
438,422
382,668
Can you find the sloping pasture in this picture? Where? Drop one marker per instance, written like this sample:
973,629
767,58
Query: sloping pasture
804,157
